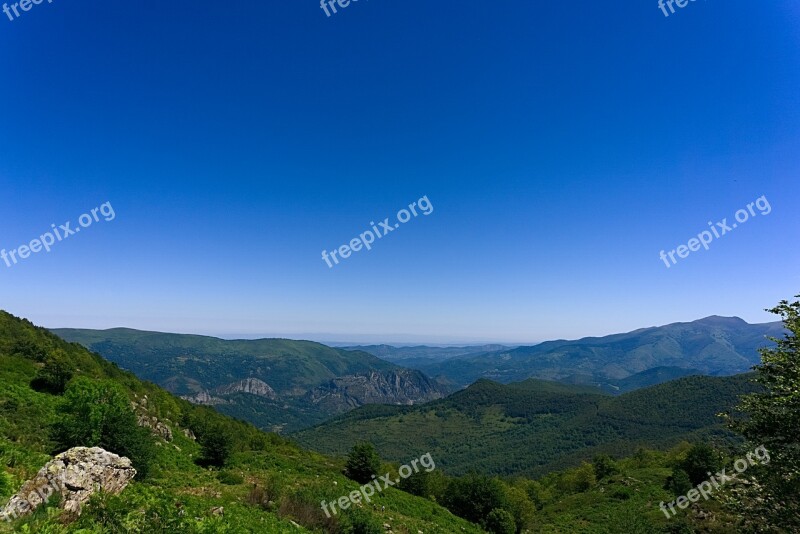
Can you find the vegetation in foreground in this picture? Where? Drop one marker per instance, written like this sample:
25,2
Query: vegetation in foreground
234,478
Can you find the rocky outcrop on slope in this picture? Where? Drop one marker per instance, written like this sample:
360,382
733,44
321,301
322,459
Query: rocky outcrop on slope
253,386
74,476
150,422
403,386
204,398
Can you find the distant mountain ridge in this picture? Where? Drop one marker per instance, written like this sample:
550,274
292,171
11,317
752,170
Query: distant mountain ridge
716,346
277,384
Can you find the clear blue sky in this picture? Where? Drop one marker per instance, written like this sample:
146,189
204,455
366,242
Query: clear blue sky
563,145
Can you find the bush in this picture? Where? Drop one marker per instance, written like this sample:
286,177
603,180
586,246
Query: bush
99,414
679,482
604,466
500,522
216,445
54,376
474,496
229,478
266,496
362,462
304,508
359,521
701,459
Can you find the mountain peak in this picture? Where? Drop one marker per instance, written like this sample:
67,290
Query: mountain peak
719,320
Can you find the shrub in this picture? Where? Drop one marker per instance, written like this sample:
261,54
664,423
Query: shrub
604,466
701,459
229,478
362,462
500,522
359,521
54,376
99,414
679,482
474,496
305,510
216,445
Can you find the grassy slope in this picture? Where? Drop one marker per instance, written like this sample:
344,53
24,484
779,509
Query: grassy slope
24,448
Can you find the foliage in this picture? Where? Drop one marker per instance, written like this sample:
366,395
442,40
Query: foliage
55,374
283,483
700,459
362,463
771,419
216,445
474,496
500,521
99,414
493,427
229,478
604,466
679,482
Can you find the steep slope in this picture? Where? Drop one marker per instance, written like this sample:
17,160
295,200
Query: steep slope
276,384
533,427
716,346
266,485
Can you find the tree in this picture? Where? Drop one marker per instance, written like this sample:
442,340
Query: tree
216,444
55,374
578,480
99,414
604,466
679,482
362,463
772,420
701,459
474,496
500,522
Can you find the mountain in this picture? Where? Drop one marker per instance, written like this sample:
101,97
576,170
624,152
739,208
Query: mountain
716,346
265,483
534,427
276,384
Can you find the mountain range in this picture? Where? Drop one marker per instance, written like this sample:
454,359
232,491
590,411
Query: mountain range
716,346
276,384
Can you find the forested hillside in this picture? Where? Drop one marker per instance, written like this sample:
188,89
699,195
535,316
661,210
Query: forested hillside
494,428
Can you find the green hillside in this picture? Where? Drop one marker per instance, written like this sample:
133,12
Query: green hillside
188,362
302,383
494,428
216,474
178,495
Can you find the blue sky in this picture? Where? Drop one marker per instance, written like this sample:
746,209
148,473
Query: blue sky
561,146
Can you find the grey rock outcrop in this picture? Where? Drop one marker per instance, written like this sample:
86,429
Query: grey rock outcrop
253,386
403,386
73,477
204,398
155,426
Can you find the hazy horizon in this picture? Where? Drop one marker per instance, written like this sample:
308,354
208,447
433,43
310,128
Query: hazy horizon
397,340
